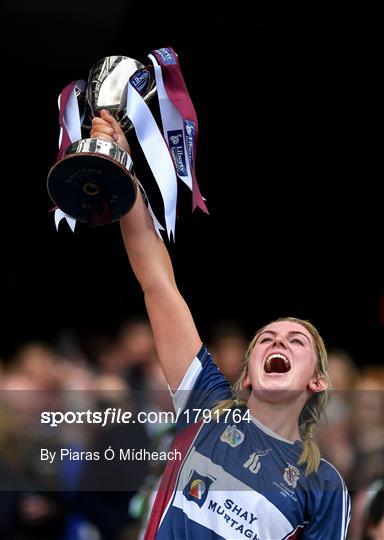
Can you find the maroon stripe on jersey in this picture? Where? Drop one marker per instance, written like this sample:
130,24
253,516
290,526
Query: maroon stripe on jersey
182,443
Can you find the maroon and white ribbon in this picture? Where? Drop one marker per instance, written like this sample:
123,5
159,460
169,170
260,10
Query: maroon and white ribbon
155,150
70,120
179,119
173,128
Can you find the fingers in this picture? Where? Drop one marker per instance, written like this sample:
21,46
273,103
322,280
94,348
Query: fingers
102,130
105,115
99,135
106,127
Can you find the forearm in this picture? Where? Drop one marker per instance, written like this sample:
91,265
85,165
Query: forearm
146,251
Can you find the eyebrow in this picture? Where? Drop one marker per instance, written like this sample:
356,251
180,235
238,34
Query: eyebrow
291,332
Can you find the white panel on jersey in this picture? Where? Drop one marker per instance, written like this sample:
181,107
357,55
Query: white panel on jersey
222,503
180,397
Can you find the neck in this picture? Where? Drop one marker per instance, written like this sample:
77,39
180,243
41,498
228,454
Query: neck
282,417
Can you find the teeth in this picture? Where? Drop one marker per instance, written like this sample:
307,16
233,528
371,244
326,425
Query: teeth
271,357
277,355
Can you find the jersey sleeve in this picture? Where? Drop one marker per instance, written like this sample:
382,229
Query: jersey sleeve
203,385
334,512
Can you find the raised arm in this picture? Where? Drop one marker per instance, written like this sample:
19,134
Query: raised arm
176,338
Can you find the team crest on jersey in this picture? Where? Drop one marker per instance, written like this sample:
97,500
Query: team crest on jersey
291,475
197,488
232,436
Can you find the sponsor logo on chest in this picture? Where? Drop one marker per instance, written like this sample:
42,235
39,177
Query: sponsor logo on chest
197,488
238,518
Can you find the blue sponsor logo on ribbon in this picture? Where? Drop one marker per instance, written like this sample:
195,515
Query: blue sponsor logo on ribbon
167,56
197,488
176,146
140,80
190,131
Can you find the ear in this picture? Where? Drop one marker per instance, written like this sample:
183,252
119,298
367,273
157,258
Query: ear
246,381
317,384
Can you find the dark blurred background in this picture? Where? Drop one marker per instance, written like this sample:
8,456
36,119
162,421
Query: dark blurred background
287,159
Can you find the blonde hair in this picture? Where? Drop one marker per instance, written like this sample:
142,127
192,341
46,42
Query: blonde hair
313,409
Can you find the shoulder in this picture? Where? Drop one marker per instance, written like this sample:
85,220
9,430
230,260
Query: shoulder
203,385
330,475
329,504
201,366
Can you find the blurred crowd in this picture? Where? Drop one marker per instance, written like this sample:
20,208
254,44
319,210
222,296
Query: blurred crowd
82,500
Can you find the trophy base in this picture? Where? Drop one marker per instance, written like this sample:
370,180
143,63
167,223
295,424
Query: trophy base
91,186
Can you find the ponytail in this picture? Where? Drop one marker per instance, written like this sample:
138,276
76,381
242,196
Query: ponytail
310,454
309,418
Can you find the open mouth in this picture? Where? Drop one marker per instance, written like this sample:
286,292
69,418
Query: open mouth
277,363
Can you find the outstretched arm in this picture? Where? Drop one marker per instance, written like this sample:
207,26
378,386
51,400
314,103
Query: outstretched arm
176,337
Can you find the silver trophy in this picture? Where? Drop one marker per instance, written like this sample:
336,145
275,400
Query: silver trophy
93,182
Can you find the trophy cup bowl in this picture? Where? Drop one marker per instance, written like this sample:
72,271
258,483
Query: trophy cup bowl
94,182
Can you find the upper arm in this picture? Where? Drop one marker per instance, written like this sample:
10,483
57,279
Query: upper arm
176,337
